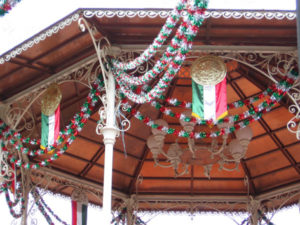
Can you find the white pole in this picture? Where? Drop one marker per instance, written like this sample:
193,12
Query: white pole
109,133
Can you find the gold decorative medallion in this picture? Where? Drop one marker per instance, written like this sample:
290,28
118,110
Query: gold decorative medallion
51,99
208,70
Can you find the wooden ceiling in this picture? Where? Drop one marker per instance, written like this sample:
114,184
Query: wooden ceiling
272,160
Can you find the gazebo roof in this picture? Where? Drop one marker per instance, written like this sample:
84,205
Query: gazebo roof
252,43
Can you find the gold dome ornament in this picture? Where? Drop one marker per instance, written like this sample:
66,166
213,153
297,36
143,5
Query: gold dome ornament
51,99
208,70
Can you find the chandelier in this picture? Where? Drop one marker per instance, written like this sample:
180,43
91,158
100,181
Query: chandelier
205,155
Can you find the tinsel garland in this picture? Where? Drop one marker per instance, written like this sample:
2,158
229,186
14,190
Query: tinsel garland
7,5
13,204
275,89
40,207
181,44
164,33
40,202
171,51
70,131
254,114
121,218
78,119
263,217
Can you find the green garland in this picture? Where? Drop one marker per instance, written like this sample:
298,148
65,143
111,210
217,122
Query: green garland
7,5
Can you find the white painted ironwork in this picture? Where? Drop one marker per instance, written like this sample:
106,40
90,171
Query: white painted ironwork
210,13
39,37
6,172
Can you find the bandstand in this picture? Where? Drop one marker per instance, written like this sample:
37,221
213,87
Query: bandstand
156,157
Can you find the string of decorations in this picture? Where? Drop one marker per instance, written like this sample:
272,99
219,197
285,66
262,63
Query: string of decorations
70,131
162,63
275,89
7,5
78,118
121,218
180,45
11,204
40,207
43,205
164,33
167,111
254,114
263,217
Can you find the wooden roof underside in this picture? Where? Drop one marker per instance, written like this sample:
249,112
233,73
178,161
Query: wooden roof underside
272,160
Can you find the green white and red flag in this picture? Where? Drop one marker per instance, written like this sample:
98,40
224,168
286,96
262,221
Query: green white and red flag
209,101
50,128
79,213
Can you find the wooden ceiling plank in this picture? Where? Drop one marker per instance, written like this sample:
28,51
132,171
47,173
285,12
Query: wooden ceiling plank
60,45
281,146
271,151
282,186
28,65
272,135
115,149
273,171
43,55
28,60
99,27
260,81
96,164
252,188
74,58
138,170
92,162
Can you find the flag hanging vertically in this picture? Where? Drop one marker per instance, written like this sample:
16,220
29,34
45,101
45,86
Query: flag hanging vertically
50,128
79,213
209,88
50,118
209,101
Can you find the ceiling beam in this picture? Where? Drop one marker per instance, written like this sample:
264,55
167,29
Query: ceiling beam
138,170
252,188
115,149
92,162
99,27
271,151
268,130
30,61
30,66
244,166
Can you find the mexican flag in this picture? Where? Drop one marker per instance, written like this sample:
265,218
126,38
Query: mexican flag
209,101
79,213
50,128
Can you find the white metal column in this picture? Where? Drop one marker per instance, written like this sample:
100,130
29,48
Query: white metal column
109,133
